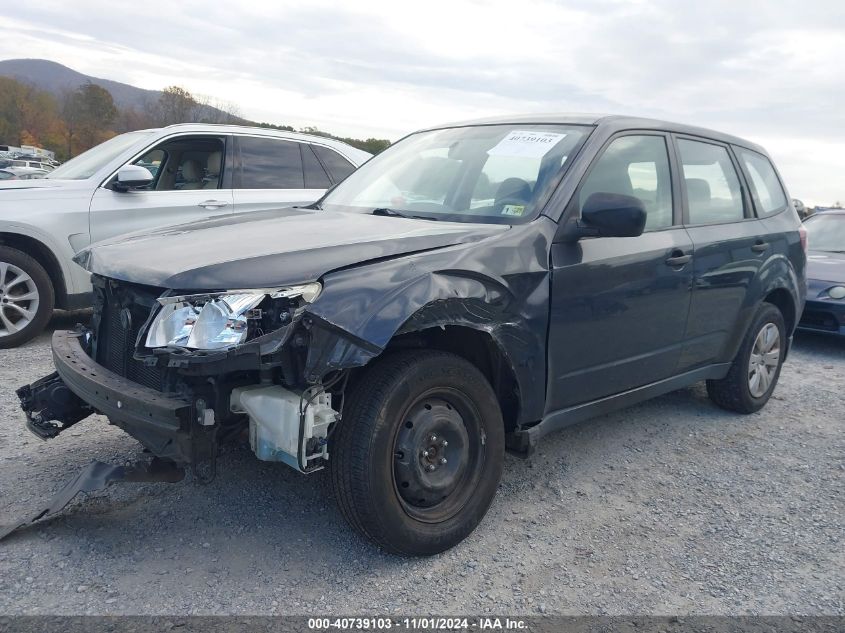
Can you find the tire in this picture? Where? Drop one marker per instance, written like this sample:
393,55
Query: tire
26,297
738,391
407,501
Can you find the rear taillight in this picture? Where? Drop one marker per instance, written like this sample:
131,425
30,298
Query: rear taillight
802,232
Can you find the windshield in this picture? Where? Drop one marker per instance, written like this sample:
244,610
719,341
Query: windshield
826,232
485,173
89,163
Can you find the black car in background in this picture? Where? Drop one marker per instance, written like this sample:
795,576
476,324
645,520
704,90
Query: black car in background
825,307
473,287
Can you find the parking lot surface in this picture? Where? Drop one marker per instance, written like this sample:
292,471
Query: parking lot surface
672,506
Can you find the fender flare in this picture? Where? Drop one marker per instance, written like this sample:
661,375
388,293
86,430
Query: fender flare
47,242
777,273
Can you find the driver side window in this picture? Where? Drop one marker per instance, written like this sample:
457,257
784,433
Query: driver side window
635,166
185,163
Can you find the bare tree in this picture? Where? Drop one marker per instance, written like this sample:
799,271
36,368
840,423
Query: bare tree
175,105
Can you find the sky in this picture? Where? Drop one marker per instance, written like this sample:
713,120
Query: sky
770,71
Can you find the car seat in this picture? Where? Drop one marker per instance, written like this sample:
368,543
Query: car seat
192,172
212,171
515,191
699,200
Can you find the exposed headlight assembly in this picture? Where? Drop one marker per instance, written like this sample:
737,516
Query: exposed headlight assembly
216,320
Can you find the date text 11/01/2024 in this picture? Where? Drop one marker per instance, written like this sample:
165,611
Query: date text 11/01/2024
418,624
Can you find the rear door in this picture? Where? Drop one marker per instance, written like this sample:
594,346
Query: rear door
273,173
191,181
729,245
619,305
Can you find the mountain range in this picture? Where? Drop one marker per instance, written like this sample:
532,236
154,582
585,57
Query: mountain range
56,79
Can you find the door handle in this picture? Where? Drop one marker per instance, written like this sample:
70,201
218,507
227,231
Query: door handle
213,204
678,258
760,247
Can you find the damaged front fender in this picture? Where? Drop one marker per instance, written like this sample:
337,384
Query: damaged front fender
501,289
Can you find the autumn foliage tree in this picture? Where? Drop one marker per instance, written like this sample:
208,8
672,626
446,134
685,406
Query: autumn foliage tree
28,116
87,115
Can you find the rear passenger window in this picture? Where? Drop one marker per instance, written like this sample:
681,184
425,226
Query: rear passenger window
635,166
766,189
339,168
713,190
315,175
270,164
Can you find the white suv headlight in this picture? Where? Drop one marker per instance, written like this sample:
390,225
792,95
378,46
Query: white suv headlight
215,320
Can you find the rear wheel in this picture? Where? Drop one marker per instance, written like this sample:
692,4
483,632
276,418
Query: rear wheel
756,368
418,456
26,297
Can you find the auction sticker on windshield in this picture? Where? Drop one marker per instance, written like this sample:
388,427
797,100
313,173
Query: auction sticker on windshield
513,209
526,144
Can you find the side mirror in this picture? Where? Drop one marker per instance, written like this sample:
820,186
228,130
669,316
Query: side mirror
613,215
132,176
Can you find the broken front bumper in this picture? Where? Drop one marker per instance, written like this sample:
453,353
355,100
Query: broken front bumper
114,396
162,423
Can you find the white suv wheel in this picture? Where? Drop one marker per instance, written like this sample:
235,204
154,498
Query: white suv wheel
19,299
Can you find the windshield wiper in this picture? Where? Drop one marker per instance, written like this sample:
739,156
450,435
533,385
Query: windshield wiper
393,213
389,212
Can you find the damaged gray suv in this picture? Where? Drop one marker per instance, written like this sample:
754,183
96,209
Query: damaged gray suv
470,289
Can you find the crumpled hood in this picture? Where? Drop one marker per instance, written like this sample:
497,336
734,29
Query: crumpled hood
268,248
826,266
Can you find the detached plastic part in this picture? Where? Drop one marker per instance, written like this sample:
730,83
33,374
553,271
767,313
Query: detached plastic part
97,476
51,407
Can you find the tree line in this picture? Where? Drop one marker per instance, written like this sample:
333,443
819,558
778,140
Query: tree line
78,119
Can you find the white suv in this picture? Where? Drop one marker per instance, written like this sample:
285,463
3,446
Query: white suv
138,181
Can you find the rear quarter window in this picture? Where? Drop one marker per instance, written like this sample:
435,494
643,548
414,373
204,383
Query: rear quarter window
315,176
766,190
338,166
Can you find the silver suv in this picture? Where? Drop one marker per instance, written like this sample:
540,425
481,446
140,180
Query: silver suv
142,180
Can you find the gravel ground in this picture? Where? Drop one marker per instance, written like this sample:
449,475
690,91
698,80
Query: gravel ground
673,506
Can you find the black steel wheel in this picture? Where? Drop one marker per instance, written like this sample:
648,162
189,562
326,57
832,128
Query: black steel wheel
435,463
418,455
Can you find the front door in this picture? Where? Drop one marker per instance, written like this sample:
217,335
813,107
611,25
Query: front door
190,182
619,306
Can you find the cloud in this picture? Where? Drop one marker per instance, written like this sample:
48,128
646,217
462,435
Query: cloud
769,72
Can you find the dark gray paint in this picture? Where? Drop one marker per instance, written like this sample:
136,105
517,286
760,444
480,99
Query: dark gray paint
268,248
611,313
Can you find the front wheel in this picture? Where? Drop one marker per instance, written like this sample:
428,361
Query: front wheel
756,368
417,458
26,297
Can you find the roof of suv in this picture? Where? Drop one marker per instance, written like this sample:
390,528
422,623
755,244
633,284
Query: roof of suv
221,128
614,121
